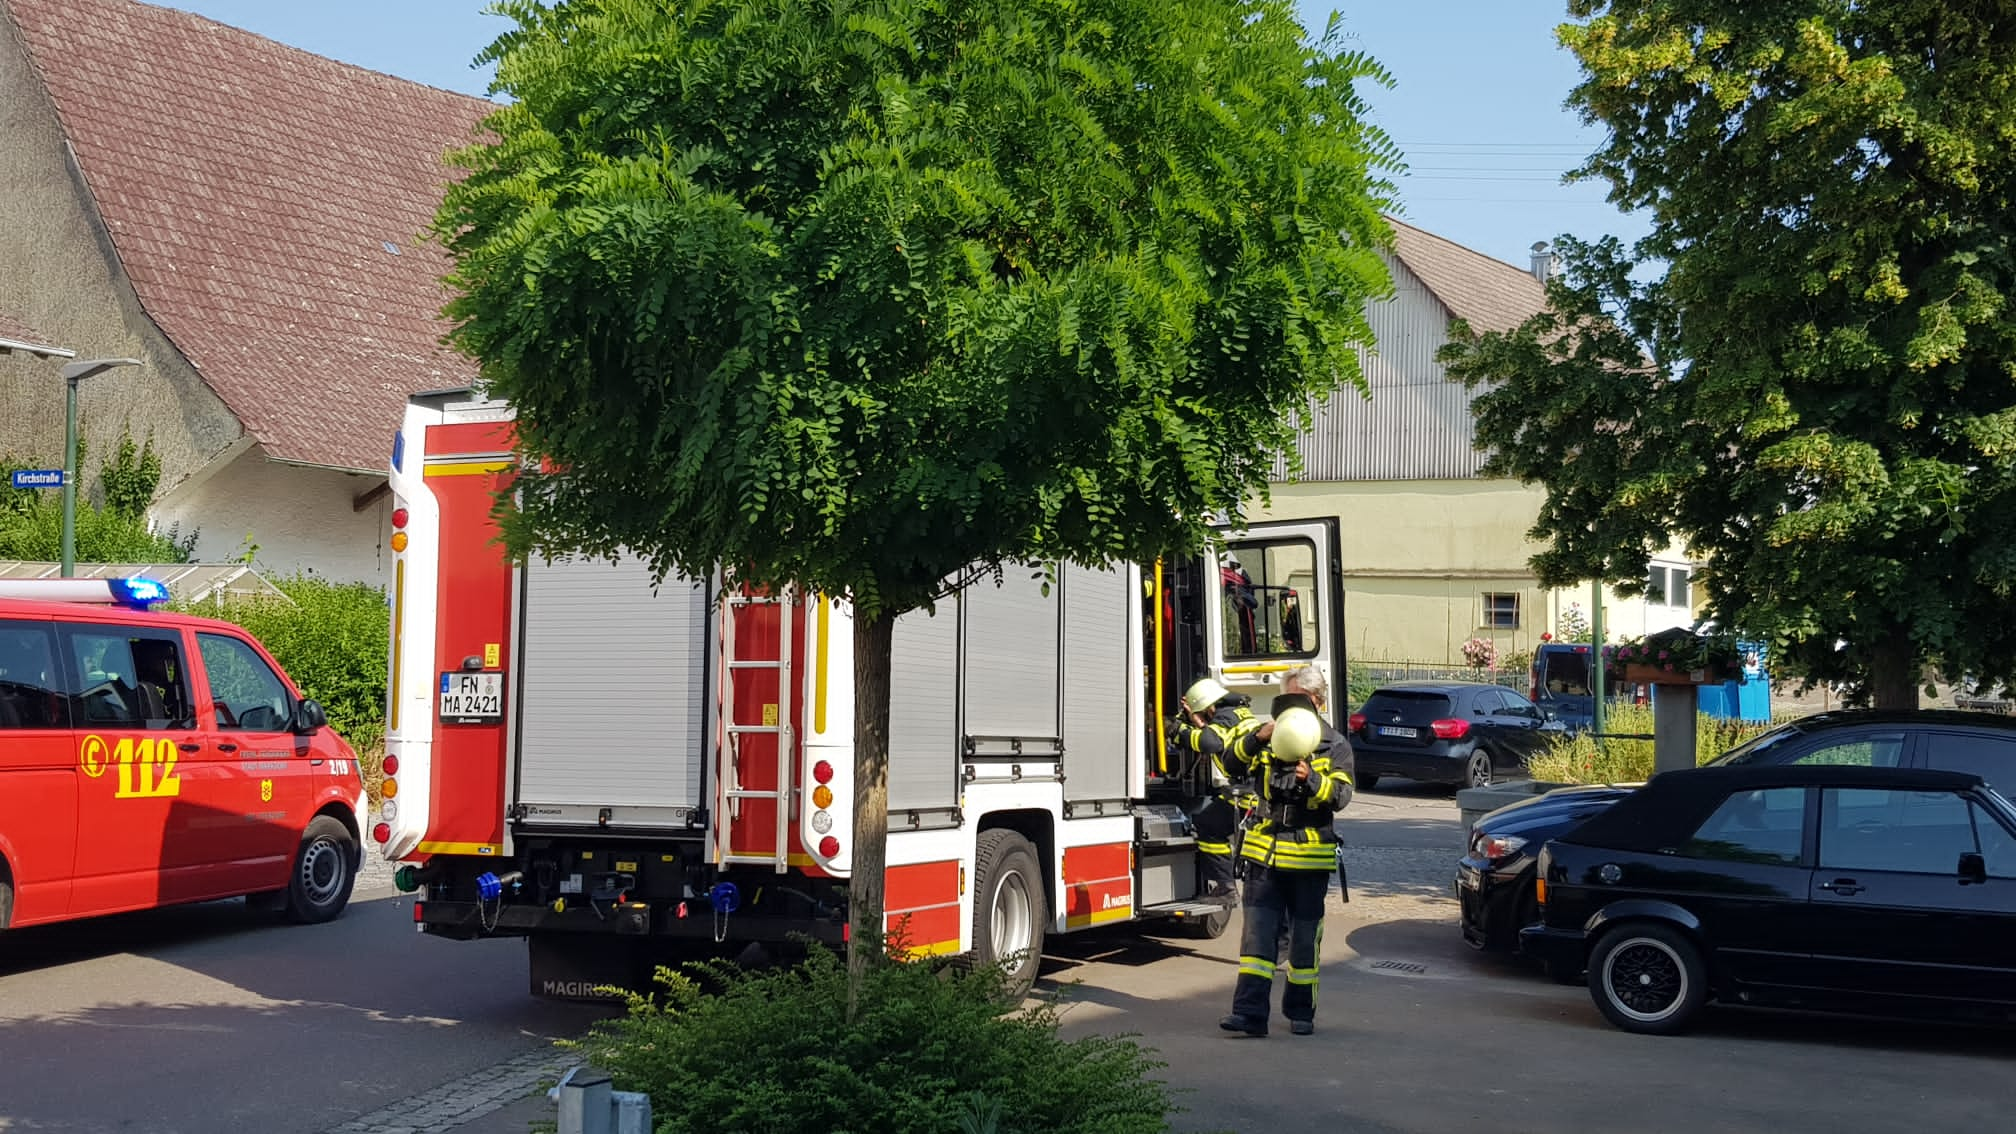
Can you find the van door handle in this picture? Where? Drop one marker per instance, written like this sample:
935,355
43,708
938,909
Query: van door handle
1846,887
186,746
226,746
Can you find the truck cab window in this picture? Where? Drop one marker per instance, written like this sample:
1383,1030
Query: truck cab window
1268,595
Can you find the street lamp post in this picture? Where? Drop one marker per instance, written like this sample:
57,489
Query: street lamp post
73,373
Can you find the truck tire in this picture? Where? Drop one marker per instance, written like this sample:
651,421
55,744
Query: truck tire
6,902
325,871
1010,913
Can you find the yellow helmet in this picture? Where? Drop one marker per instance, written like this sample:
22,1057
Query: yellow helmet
1297,733
1204,694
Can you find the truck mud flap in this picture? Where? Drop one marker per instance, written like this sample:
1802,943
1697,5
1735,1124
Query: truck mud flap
586,968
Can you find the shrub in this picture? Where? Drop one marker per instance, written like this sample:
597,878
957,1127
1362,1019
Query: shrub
332,639
772,1052
1582,760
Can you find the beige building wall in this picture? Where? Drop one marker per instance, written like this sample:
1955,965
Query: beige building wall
1423,559
293,519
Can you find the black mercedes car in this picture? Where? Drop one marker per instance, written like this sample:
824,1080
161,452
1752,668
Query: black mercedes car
1887,890
1494,878
1446,732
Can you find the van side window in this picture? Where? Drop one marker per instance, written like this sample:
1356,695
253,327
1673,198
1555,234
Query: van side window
129,678
31,682
245,693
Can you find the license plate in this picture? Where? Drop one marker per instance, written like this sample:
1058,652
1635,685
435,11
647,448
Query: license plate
1396,730
472,698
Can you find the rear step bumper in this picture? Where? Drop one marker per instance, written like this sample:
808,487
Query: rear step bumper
468,920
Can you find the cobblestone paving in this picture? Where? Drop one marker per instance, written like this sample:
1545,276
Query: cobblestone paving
466,1099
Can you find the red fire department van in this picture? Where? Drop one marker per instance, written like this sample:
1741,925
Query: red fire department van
606,768
149,759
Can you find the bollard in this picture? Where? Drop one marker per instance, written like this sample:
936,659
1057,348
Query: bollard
586,1105
633,1112
1673,725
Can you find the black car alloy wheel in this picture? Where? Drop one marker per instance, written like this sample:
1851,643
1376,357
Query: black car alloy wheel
1478,772
1647,978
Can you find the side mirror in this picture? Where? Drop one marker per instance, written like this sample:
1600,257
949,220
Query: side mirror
309,716
1973,869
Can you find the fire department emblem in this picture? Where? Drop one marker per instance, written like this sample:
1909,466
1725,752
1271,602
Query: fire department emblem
265,791
93,756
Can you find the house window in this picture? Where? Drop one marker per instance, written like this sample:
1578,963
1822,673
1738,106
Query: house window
1670,586
1501,611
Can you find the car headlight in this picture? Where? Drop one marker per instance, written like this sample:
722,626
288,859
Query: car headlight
1492,848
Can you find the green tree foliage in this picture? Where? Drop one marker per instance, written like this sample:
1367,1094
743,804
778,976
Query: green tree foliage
331,638
872,296
1817,394
115,531
775,1051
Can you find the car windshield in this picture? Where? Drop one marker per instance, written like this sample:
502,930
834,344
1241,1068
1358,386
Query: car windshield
1752,751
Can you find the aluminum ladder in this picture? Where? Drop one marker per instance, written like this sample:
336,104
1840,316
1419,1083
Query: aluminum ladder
728,789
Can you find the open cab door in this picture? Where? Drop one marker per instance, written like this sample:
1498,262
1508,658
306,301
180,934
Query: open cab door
1275,603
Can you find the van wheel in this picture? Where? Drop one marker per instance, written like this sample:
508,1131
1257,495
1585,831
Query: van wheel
1648,978
6,902
1010,914
325,871
1211,927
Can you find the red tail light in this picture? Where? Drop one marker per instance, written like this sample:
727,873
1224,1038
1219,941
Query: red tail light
382,832
822,772
1357,722
419,912
829,846
398,517
1451,729
391,765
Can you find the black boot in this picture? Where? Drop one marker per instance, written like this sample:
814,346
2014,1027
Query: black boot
1246,1024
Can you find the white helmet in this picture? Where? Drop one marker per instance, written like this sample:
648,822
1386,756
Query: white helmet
1203,694
1297,734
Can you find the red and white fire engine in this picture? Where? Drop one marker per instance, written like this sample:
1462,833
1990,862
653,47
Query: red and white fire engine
607,768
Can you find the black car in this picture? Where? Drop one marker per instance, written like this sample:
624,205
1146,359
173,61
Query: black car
1868,889
1446,732
1494,879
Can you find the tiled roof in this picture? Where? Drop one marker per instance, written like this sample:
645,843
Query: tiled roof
1489,294
16,335
255,194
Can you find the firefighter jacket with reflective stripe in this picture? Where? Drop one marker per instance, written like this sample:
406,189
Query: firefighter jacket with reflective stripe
1231,721
1296,833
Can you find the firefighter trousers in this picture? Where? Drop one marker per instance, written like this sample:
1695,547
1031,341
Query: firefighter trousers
1215,823
1274,897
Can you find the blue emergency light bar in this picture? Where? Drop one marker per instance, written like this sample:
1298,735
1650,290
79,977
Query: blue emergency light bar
135,592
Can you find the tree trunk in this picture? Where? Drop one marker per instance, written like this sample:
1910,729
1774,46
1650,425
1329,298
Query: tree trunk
1893,672
872,637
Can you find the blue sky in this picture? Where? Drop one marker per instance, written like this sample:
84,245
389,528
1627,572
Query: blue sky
1477,105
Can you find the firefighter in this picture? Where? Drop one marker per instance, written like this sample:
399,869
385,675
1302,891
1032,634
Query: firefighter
1214,719
1288,857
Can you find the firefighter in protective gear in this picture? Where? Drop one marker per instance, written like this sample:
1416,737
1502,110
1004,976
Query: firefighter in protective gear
1214,720
1289,857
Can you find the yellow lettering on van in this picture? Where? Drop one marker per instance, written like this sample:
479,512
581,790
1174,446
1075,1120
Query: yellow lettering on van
147,768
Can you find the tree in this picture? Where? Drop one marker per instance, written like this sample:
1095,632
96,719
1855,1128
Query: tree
1816,394
873,298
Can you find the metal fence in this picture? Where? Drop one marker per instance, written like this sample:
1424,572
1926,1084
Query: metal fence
1368,675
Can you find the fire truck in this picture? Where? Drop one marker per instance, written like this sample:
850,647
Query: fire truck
618,771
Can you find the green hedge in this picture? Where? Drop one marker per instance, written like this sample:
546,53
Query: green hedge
333,640
773,1051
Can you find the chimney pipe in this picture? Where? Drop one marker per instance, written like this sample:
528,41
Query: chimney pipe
1545,262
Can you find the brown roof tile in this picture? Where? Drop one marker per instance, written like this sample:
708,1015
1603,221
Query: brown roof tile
17,335
1489,294
251,190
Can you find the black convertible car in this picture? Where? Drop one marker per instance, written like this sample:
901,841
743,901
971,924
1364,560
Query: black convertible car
1494,879
1887,890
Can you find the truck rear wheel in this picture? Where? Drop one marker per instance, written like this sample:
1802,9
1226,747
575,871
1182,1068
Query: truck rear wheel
1010,913
325,871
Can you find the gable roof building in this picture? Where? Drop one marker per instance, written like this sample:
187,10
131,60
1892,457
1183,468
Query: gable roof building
246,218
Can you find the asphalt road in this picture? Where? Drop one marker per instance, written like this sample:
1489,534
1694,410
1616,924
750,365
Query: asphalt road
211,1018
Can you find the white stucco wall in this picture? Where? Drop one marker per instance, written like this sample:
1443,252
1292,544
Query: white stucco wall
299,519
